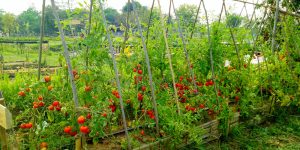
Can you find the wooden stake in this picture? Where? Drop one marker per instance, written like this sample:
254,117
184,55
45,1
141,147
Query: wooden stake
66,53
169,54
148,67
78,143
275,27
116,74
41,39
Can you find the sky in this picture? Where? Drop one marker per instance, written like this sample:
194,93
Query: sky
213,6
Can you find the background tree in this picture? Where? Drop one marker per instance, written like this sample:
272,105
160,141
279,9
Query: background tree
129,7
29,22
187,15
112,15
50,25
10,24
142,11
233,20
1,16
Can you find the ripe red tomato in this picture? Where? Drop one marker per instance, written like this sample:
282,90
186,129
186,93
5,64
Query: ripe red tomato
210,112
193,109
199,84
81,119
140,71
68,129
87,88
237,98
140,78
73,133
117,95
140,94
84,129
114,92
55,103
134,70
140,98
113,108
88,116
180,78
58,108
50,87
47,78
23,126
187,107
74,72
28,125
143,88
142,132
104,114
22,94
43,145
40,98
201,106
35,106
51,107
41,104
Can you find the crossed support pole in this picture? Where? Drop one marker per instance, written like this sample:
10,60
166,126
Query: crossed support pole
112,52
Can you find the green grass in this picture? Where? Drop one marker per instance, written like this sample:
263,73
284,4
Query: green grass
283,134
12,53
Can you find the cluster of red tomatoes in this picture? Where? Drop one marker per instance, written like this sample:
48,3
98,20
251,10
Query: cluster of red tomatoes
26,125
139,72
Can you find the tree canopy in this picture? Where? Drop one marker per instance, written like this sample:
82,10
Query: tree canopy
233,20
187,15
112,15
29,22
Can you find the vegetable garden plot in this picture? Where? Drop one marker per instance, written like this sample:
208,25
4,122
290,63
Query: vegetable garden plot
164,92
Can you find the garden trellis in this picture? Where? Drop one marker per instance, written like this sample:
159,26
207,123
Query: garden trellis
203,95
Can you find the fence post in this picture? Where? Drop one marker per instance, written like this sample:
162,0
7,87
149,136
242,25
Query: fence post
41,39
5,123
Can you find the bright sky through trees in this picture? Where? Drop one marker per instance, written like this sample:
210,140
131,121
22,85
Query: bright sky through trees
213,6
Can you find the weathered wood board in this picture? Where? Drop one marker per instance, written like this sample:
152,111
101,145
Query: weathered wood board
5,118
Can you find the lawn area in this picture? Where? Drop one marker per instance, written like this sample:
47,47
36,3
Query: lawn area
282,134
12,53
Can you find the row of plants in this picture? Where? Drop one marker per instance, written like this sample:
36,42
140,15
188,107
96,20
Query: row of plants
45,115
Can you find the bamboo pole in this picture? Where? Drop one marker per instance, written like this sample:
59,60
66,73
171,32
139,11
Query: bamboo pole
88,33
126,37
149,22
262,5
210,52
196,19
220,16
187,57
169,17
232,36
275,27
148,67
168,54
78,143
66,53
42,27
116,74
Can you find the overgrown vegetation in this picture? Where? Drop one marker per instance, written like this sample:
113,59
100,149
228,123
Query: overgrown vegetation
44,110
